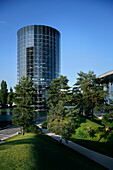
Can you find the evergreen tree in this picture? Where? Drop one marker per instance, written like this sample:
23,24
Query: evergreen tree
108,118
91,90
3,93
60,119
24,99
10,97
58,90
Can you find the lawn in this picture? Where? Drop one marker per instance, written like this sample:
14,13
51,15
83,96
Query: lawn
40,152
87,136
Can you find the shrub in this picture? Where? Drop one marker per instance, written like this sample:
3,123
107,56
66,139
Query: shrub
87,131
33,129
110,137
83,131
44,125
81,134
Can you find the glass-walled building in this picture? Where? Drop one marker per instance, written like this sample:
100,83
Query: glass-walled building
107,79
38,56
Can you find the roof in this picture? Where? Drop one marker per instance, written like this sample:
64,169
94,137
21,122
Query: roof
108,76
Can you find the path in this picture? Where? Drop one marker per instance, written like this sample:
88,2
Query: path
106,161
9,132
13,130
97,157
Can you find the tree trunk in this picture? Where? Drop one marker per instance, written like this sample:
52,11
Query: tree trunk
22,131
22,127
61,130
61,139
92,114
92,110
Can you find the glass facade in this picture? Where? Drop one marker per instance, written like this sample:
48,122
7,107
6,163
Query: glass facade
38,56
109,88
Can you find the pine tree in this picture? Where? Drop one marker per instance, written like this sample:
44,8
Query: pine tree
108,117
3,93
60,119
91,90
10,97
58,90
24,99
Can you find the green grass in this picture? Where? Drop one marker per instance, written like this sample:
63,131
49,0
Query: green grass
101,147
99,142
40,152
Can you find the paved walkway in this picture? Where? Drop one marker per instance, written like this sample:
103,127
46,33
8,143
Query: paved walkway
13,130
9,132
106,161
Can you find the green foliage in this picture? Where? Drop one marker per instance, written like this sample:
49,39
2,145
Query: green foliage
108,118
85,131
61,121
3,93
93,136
33,129
89,92
44,125
110,137
10,98
24,98
89,130
25,92
58,90
34,152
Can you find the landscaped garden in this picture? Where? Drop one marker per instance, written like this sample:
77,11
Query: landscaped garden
41,152
71,115
93,136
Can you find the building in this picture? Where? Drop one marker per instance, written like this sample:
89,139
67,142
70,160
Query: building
107,78
38,56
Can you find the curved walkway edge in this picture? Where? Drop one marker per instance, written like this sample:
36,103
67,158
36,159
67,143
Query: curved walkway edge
103,160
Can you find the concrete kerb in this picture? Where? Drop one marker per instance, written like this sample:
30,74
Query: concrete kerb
41,119
7,137
103,160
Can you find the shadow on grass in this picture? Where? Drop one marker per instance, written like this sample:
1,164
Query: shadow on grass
49,154
78,120
101,147
95,119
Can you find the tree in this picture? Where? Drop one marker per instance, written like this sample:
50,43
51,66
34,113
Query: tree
24,99
60,119
91,90
108,117
58,90
10,97
3,93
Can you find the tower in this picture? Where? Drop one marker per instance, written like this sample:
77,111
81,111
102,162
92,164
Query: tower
38,56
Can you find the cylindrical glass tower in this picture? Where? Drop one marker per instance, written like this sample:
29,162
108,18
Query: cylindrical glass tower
38,56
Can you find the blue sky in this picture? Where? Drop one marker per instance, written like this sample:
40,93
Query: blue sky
86,28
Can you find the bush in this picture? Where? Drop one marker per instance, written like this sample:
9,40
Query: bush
110,137
44,125
81,134
33,129
86,131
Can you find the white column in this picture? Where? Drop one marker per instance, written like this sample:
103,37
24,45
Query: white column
110,89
